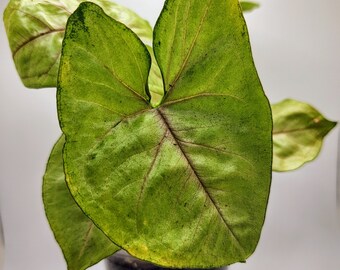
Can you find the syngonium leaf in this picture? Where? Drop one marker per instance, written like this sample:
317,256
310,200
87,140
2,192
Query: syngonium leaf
185,184
248,5
82,243
155,82
298,133
35,29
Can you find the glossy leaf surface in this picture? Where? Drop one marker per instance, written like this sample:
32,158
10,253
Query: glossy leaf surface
191,177
35,29
298,133
82,243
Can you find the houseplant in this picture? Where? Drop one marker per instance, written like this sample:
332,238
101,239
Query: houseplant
309,121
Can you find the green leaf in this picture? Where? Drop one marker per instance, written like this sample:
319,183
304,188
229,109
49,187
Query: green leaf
82,243
35,29
248,6
185,184
298,133
155,82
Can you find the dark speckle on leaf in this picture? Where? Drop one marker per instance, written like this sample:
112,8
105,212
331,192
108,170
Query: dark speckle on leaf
168,164
92,156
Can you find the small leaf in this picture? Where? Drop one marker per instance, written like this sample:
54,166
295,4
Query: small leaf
35,30
248,6
298,133
191,177
82,243
155,81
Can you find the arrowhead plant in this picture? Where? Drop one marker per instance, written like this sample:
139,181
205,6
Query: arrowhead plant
168,138
184,184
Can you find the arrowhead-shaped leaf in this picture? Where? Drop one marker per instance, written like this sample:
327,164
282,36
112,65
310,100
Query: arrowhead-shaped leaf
35,30
298,133
185,184
82,243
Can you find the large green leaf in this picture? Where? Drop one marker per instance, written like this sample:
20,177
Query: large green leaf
82,243
298,133
185,184
35,29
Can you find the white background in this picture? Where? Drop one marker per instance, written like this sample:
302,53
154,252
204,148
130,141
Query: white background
296,45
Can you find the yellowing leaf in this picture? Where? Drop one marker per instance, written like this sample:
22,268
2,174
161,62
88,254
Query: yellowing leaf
82,243
191,177
35,30
298,133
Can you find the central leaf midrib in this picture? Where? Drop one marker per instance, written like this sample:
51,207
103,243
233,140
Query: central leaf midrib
86,239
191,166
285,132
312,124
49,32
